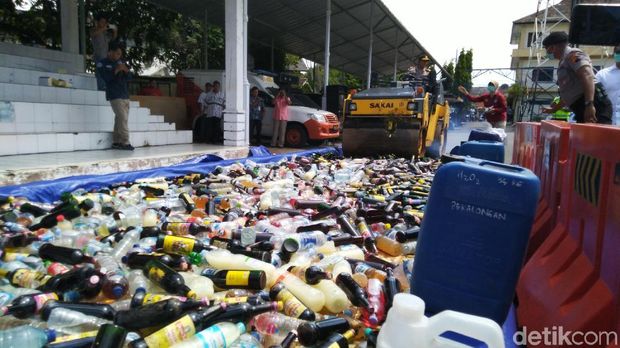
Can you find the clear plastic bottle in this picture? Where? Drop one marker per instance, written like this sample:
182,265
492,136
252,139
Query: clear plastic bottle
115,284
247,340
138,281
149,218
94,246
70,322
306,240
122,247
25,336
274,323
217,336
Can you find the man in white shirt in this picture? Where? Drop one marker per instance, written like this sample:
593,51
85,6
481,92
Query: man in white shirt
202,98
610,79
215,103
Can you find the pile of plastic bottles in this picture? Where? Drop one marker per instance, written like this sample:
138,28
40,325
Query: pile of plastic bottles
309,251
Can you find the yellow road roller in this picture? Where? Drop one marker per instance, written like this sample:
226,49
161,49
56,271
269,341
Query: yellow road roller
404,120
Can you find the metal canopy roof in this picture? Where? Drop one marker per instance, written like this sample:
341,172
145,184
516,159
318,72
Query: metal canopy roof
298,27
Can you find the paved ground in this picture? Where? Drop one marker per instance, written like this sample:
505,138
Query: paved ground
455,137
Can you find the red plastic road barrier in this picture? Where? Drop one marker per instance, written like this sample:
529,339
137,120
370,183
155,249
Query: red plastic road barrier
573,279
551,163
526,145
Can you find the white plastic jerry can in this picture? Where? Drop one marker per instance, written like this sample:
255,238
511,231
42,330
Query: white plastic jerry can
406,326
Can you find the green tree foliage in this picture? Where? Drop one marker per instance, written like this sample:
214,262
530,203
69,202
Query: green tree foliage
162,35
448,84
158,34
463,69
336,77
514,93
38,26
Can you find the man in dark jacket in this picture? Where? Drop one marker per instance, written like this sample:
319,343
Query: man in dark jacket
115,73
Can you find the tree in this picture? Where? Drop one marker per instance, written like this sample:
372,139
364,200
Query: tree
514,93
463,69
162,35
335,77
448,84
38,26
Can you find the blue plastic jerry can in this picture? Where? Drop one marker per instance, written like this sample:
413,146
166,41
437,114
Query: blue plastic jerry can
474,237
483,149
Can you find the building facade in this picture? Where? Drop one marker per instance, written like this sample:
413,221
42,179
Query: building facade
534,72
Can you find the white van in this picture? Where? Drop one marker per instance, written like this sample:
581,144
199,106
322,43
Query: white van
307,123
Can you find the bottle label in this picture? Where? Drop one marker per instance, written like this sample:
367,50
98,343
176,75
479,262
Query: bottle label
252,262
281,277
5,298
348,247
178,331
152,298
25,278
212,337
237,278
57,268
235,300
179,228
292,306
42,298
364,231
178,245
76,336
9,256
156,274
361,268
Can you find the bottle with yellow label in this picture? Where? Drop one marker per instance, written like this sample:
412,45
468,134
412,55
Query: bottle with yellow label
309,296
181,329
180,245
293,307
224,259
236,279
338,340
167,278
154,314
25,278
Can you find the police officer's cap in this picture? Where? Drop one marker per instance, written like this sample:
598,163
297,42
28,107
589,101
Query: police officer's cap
555,37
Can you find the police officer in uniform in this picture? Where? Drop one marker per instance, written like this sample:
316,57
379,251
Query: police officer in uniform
578,90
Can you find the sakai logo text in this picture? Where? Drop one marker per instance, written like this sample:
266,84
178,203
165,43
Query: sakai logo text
381,105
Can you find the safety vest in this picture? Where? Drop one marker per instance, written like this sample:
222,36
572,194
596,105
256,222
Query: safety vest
562,114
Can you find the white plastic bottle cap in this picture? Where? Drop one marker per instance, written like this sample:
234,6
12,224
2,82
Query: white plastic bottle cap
409,306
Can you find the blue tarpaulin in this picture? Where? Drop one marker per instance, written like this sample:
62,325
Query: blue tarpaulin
49,191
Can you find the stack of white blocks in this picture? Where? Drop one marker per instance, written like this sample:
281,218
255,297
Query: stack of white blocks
54,119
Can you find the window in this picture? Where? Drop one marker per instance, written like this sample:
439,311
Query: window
543,74
531,38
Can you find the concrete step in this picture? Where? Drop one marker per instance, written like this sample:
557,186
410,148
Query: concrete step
11,74
15,144
47,118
